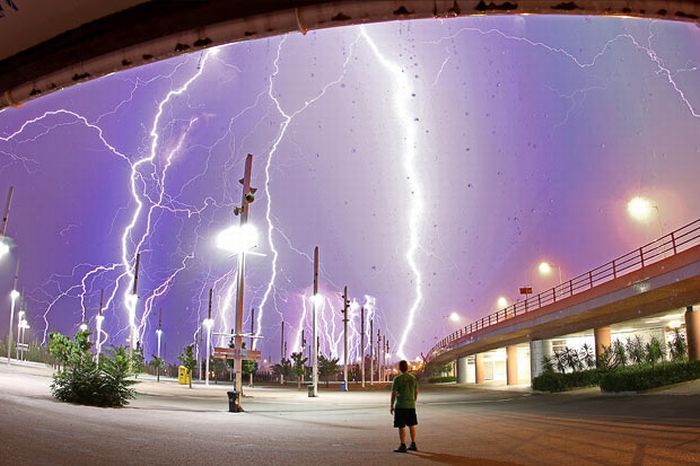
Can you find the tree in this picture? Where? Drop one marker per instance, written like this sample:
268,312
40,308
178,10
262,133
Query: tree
217,366
60,348
679,347
327,367
187,359
157,363
283,369
137,364
299,367
82,380
248,367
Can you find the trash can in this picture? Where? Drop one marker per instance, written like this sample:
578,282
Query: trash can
311,390
183,375
343,386
232,401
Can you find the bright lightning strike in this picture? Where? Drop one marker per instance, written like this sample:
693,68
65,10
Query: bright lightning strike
402,90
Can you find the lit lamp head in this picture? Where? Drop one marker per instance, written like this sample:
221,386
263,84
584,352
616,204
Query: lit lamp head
454,317
208,323
4,247
237,239
316,299
14,294
545,268
640,208
159,332
502,302
83,327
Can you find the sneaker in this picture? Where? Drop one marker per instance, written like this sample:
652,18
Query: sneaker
413,447
401,449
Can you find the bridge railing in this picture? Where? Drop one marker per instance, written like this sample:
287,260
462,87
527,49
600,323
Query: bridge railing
668,245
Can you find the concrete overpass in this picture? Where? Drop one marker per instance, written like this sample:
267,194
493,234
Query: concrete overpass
654,280
47,45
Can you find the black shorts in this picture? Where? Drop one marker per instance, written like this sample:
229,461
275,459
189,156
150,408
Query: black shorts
405,417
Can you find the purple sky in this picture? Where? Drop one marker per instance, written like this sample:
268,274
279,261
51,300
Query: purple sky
441,159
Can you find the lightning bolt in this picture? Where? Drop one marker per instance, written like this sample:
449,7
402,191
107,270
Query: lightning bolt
402,91
287,119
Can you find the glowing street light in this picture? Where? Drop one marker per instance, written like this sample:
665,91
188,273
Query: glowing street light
83,327
14,295
641,208
238,238
4,247
208,324
502,302
454,317
545,268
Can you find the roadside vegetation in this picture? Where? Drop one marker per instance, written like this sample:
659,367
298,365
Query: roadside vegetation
81,378
632,365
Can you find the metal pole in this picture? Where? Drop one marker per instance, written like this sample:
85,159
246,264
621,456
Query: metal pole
282,352
98,325
379,355
345,336
362,345
386,351
314,370
303,350
371,351
247,196
252,334
6,215
13,299
209,323
199,350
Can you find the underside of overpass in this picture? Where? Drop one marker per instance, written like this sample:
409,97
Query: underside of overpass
156,30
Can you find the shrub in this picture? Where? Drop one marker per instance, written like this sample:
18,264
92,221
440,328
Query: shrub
637,378
443,379
679,346
83,381
555,382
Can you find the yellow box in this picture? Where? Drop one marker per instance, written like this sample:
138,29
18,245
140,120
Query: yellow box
184,377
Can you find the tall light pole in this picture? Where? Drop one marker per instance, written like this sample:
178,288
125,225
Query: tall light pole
362,345
379,355
14,294
252,336
132,308
344,311
247,197
208,324
545,269
4,242
371,351
314,303
98,325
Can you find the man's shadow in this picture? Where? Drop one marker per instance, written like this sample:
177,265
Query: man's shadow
445,458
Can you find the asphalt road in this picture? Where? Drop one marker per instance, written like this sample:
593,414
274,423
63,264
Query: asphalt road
171,424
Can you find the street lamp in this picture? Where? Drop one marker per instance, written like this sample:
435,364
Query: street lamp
642,209
14,294
545,268
454,317
83,327
4,247
208,324
502,302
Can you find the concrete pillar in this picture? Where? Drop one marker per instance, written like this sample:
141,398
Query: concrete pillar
692,332
539,349
462,370
479,368
602,340
511,365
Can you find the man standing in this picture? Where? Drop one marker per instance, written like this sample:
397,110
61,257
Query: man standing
404,393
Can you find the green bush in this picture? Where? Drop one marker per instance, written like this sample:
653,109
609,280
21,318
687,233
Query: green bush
557,382
82,380
444,379
637,378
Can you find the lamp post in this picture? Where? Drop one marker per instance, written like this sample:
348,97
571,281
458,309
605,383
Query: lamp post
20,319
344,311
315,301
208,323
4,240
641,209
14,295
239,239
502,302
98,326
545,269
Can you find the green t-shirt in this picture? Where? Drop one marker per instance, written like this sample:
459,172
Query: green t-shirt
405,387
